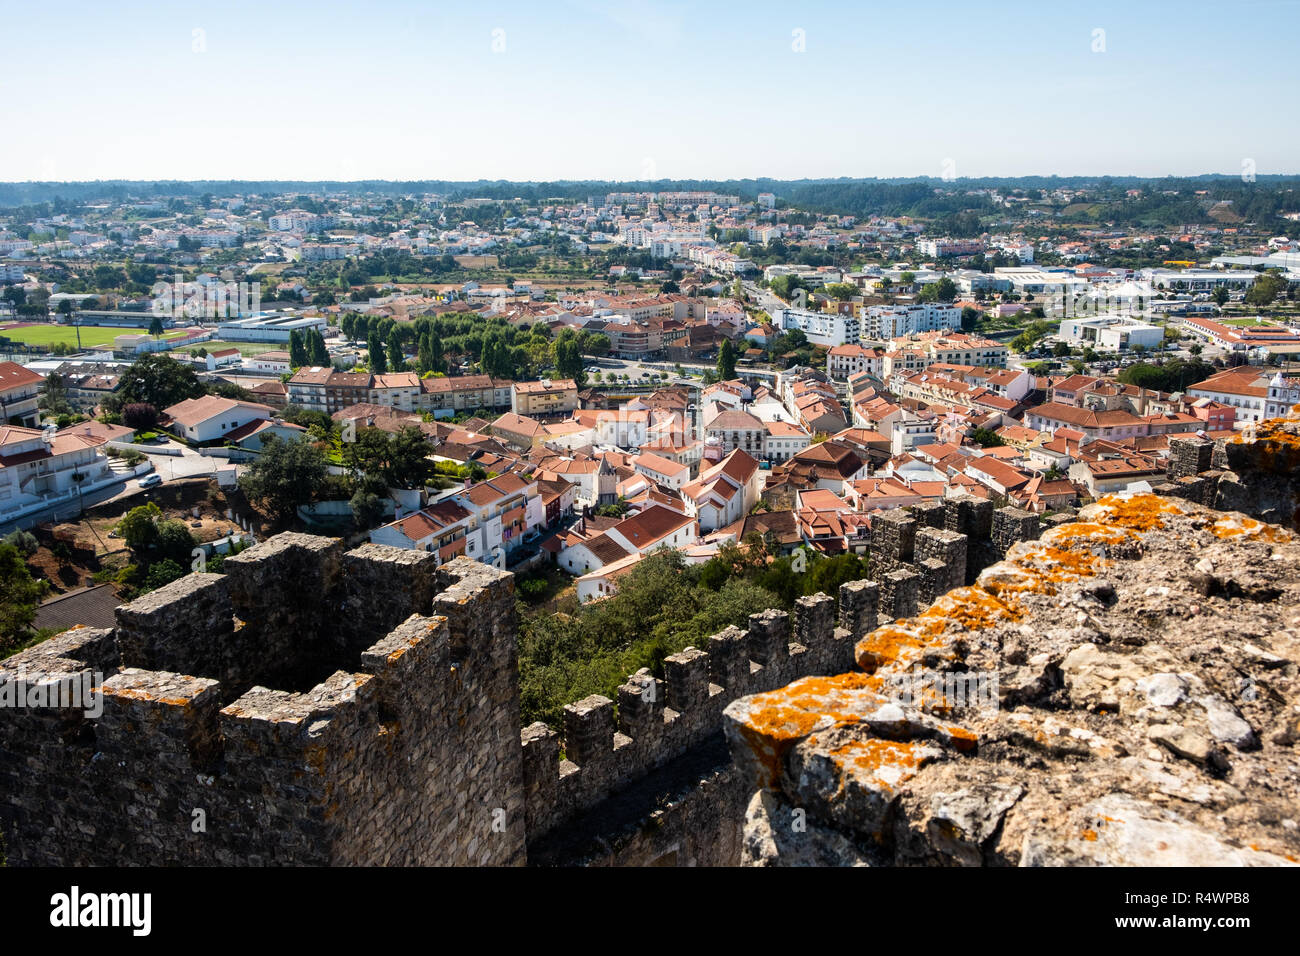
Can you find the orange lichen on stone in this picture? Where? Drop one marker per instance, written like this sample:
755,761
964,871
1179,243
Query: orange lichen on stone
973,609
885,763
1139,512
397,654
793,711
1060,556
131,693
1085,532
894,644
1068,564
1271,430
776,720
1005,581
1090,835
1237,526
901,644
962,738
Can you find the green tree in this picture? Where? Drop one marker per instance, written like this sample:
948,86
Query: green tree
726,361
424,354
375,354
320,355
20,595
1221,295
155,327
54,394
139,527
285,475
367,509
1172,376
162,573
298,356
945,290
568,357
396,358
157,380
1267,287
397,460
175,542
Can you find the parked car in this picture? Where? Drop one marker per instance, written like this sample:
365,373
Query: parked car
150,481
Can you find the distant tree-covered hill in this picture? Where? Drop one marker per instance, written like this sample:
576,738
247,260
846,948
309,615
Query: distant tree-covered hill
957,205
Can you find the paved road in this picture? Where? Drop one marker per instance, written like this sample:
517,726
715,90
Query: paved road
189,464
63,511
762,298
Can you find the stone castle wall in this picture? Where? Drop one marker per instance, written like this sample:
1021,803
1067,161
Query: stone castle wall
391,738
320,706
610,745
1139,667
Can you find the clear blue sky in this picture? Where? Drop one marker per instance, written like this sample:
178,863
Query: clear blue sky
392,89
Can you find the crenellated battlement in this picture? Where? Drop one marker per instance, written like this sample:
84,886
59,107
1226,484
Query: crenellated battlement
607,747
918,554
324,706
309,706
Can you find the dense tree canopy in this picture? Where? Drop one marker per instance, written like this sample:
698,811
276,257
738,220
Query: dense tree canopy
158,380
662,606
285,475
20,595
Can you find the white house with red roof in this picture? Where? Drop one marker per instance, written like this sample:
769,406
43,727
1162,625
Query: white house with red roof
502,509
223,358
211,417
441,529
726,492
654,527
663,471
39,468
19,395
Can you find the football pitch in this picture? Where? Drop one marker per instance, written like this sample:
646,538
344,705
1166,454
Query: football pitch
92,336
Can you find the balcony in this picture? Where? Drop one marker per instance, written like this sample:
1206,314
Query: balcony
451,550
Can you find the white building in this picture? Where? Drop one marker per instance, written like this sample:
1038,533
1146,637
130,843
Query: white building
892,321
211,417
1199,280
845,360
821,328
39,468
1283,395
724,493
1114,333
662,471
949,247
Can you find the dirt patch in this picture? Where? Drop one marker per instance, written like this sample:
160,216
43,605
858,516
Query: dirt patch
72,552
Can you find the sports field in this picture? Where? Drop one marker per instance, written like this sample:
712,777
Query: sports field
48,335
